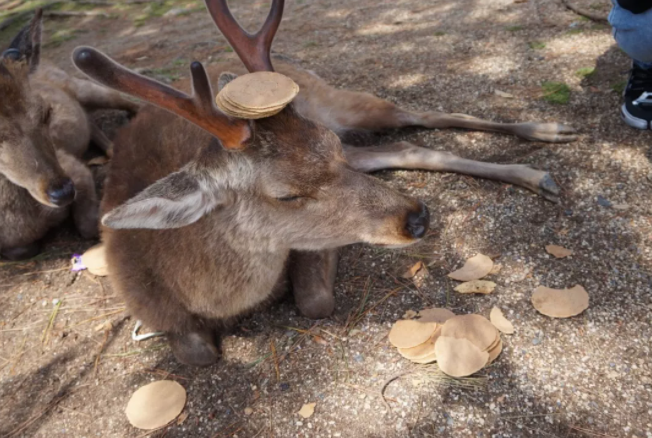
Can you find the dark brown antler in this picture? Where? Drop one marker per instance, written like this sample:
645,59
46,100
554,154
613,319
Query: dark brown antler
198,108
254,49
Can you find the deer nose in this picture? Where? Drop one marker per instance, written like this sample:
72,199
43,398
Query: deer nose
418,221
61,193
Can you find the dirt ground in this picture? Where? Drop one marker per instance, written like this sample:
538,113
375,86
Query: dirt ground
66,373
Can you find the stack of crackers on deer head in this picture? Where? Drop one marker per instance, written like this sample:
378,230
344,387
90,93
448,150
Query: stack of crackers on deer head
256,95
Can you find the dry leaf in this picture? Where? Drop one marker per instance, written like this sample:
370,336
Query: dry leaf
503,94
500,322
307,410
476,287
95,260
410,314
459,357
475,328
156,404
558,251
320,340
474,269
496,269
413,270
621,207
560,303
408,333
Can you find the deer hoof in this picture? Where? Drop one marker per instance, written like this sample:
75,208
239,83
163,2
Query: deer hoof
195,348
21,252
548,188
317,306
548,132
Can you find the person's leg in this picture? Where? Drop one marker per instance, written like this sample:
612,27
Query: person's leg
633,33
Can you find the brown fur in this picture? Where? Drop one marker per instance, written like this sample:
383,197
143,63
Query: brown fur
197,234
44,131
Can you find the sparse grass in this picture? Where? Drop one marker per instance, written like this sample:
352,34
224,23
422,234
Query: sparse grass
619,87
61,36
557,93
575,31
585,72
537,45
515,28
163,73
439,33
310,44
179,62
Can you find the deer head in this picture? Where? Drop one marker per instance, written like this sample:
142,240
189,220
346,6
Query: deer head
27,155
282,179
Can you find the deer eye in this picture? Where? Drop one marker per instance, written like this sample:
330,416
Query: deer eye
289,198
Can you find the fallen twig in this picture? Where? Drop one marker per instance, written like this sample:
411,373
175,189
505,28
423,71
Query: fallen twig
584,13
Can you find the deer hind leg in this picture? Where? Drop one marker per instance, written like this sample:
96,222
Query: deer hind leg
312,275
93,96
365,112
100,139
404,155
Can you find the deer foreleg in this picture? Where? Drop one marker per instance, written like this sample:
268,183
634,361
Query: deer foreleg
312,275
93,96
404,155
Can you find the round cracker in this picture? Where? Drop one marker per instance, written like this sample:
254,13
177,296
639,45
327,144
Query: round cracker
95,260
432,357
560,303
227,108
459,357
260,90
408,333
475,328
423,350
435,314
156,404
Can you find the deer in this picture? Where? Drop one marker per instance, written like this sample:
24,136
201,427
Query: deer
44,131
207,217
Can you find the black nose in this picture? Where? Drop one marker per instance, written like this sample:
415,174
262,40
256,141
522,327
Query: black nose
61,193
418,221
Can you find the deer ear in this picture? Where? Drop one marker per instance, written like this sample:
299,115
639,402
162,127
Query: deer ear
27,44
175,201
225,78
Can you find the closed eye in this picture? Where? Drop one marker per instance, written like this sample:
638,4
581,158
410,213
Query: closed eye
289,198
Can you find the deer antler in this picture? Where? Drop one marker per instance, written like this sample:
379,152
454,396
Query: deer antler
198,108
254,49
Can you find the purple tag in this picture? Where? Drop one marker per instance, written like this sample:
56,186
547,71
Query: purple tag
77,264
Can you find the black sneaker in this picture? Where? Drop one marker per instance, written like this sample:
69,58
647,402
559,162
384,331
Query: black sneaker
637,109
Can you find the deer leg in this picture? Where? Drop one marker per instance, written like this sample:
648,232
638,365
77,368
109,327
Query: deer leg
21,252
100,139
93,96
404,155
196,348
346,111
85,208
534,131
312,275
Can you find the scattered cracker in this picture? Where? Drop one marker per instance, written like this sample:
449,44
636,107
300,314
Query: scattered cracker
156,404
95,261
475,328
474,269
560,303
558,251
500,322
476,287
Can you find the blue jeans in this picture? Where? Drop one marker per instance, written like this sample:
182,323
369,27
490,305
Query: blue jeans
633,33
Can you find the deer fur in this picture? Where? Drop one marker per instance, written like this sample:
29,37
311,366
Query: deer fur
44,131
214,221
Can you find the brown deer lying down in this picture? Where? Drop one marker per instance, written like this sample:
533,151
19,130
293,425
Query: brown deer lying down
202,225
44,130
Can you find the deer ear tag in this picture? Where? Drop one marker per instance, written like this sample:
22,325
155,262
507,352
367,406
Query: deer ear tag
256,95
